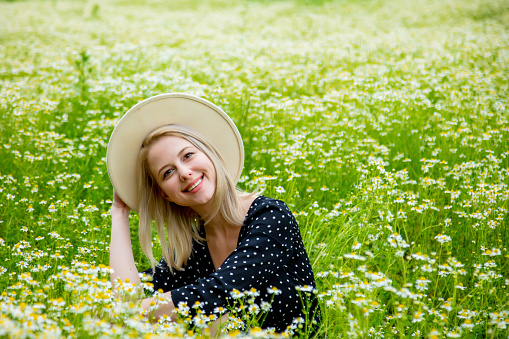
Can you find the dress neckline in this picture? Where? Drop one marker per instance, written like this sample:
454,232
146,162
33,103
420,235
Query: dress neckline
240,236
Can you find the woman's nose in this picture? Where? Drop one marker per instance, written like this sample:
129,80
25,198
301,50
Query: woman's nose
185,173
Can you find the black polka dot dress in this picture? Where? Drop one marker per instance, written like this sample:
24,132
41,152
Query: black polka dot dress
269,254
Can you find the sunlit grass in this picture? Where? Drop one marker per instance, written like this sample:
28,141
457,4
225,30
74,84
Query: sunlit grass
382,124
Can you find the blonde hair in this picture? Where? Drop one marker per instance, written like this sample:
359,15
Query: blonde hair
181,223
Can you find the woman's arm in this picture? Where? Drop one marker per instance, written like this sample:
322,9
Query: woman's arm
121,251
122,259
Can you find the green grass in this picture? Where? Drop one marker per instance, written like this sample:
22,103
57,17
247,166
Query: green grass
385,122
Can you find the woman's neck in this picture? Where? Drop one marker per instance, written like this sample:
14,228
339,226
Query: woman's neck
218,225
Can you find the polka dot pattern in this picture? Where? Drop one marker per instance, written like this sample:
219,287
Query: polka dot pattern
269,253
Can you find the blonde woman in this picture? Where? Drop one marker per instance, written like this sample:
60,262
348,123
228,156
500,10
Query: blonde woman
175,159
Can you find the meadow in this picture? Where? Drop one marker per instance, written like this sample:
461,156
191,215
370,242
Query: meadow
382,124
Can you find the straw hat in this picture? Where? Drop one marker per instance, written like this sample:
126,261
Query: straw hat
165,109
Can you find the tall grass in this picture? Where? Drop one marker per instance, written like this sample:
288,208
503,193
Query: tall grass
382,124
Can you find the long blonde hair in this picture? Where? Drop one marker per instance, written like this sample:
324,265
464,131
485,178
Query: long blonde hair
181,223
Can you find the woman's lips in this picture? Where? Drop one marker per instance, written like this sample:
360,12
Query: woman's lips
193,185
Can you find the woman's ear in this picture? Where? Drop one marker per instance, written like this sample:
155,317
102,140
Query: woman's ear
165,197
161,193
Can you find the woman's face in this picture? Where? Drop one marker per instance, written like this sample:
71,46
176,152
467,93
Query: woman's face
186,175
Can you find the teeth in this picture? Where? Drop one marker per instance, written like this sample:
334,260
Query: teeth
194,186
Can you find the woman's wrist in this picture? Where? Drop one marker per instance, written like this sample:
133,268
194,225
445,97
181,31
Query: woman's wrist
119,211
163,305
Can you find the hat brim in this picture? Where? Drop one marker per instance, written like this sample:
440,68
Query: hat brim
165,109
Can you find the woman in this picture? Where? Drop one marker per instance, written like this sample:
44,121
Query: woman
188,156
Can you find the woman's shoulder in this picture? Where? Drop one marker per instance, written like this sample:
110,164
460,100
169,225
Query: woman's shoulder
262,201
263,204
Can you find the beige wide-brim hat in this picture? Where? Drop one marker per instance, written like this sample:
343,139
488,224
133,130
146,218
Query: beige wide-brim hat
165,109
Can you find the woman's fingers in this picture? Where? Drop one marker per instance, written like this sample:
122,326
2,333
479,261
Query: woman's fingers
117,200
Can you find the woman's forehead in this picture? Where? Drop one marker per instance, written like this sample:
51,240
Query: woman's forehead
168,144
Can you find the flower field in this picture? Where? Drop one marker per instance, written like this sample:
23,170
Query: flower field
384,125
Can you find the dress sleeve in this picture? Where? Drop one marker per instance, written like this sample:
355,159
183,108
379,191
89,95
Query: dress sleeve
198,265
263,250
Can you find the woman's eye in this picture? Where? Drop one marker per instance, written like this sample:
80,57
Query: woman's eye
167,173
188,155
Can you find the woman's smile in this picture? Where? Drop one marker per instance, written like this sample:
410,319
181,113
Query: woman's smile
194,186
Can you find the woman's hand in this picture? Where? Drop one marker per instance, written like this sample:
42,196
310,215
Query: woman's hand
119,205
159,306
